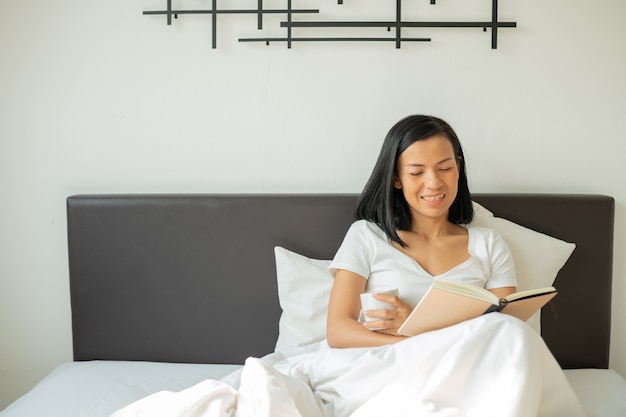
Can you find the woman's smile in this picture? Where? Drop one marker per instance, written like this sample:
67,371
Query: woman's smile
433,199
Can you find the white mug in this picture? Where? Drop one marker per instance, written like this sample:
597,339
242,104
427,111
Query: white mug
368,302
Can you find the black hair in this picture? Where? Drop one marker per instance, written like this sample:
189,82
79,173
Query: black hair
382,203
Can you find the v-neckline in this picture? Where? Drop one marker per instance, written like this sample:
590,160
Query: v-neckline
457,266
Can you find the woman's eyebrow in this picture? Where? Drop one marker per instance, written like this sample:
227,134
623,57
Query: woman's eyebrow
415,164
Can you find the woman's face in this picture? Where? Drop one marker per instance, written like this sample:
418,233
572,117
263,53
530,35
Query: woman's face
427,172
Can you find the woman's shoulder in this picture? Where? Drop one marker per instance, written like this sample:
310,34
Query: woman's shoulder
366,226
485,236
365,230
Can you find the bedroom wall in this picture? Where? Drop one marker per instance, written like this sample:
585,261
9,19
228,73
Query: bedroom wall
96,98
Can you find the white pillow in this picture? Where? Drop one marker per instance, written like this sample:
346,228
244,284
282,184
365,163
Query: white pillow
538,257
304,284
303,290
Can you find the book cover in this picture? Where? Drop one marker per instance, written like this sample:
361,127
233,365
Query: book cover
447,303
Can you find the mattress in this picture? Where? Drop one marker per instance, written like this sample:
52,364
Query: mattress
601,391
98,388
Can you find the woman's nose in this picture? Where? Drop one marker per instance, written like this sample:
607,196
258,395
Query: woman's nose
433,179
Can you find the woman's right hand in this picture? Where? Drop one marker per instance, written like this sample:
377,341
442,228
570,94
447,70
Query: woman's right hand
344,306
389,321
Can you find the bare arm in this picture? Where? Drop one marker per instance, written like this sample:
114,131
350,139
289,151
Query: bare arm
343,327
503,291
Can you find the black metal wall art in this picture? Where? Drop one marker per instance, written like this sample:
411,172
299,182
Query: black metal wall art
295,20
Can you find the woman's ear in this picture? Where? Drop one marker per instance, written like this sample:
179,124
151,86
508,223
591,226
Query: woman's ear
396,183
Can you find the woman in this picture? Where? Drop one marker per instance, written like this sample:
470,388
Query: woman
412,210
411,227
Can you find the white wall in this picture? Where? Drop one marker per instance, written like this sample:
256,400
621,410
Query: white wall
95,97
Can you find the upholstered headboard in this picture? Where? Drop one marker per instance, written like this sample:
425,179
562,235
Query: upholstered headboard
191,278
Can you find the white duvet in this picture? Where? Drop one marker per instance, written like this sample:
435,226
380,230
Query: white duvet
494,365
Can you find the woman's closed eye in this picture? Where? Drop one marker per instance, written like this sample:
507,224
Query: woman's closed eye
418,173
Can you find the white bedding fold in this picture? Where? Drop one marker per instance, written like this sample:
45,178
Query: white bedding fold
205,399
491,366
264,392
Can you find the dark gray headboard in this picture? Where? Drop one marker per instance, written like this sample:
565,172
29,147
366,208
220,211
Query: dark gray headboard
191,278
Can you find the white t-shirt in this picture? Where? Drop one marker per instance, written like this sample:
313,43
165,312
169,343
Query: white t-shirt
367,251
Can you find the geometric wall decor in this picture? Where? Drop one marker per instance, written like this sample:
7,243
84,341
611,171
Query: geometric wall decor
298,26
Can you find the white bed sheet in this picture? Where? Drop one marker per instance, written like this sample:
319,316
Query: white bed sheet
601,391
98,388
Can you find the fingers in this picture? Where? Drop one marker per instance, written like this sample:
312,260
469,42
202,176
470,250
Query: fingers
387,320
381,314
402,309
389,298
381,320
382,326
393,300
377,324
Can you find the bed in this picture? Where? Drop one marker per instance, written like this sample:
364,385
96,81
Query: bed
168,291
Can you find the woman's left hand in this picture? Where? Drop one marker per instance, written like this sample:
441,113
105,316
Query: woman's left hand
390,320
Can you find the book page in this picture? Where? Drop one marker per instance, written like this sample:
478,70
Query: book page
440,308
468,290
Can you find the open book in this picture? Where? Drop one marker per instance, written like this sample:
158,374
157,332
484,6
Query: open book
449,302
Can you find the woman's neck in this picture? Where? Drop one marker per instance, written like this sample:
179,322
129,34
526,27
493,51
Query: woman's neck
434,228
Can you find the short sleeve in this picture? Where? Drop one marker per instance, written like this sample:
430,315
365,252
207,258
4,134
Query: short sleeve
355,253
502,267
